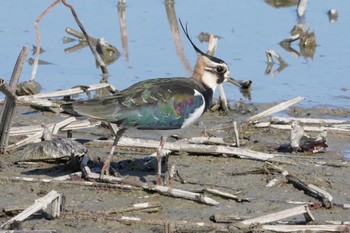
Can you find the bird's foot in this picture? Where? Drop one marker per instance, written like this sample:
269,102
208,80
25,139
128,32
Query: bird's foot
159,180
108,170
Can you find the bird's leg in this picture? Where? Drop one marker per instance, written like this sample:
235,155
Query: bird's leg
106,164
159,160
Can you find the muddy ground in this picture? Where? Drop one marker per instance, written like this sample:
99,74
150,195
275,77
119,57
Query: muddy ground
85,207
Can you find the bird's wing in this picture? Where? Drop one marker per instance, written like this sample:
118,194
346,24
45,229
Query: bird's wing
152,104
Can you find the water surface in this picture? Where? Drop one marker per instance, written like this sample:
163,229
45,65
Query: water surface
246,29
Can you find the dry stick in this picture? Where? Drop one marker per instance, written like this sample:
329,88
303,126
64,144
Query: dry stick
142,207
224,194
92,47
66,179
306,128
32,129
306,228
279,107
160,189
8,109
303,209
309,189
72,91
37,31
204,149
168,224
306,120
236,133
40,204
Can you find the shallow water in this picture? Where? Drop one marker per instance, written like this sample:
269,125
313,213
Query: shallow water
247,29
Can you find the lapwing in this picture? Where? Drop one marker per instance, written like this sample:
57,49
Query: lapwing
161,106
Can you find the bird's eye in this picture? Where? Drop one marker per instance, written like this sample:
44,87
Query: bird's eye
220,69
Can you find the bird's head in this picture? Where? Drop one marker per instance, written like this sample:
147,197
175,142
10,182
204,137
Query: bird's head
210,70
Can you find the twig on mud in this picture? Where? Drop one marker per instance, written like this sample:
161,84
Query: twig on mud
306,228
307,120
67,179
37,32
10,101
92,47
178,193
142,207
224,194
279,107
335,129
236,133
40,204
32,129
68,92
203,149
303,209
310,189
168,224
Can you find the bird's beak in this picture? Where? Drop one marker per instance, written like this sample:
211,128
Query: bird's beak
231,80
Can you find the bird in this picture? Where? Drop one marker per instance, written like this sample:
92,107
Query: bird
160,106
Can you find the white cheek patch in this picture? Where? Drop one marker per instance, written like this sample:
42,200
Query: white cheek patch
209,78
197,112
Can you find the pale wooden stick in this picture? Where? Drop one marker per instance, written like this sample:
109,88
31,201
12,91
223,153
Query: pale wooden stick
306,128
32,129
224,194
303,209
306,120
37,31
236,133
279,107
161,189
143,207
65,179
72,91
182,194
306,228
40,204
205,149
10,103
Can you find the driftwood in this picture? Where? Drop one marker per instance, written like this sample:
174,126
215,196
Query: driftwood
167,224
10,100
310,189
32,129
160,189
68,92
140,207
303,209
40,204
67,179
225,195
203,149
307,228
334,128
279,107
287,120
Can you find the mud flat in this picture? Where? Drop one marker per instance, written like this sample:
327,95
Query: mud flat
243,188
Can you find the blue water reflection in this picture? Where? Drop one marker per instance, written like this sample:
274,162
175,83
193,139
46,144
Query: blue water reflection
247,29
